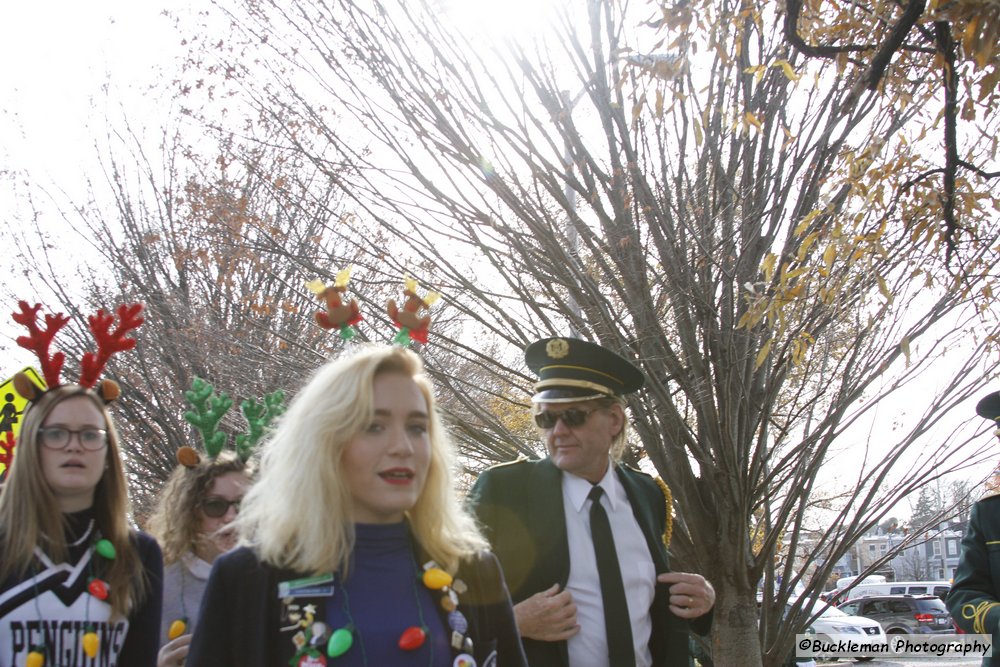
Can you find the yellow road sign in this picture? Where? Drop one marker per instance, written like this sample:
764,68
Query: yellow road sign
12,406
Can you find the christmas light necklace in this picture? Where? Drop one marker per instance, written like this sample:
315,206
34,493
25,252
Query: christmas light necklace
315,633
96,587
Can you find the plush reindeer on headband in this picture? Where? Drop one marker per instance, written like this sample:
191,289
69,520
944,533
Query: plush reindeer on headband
109,342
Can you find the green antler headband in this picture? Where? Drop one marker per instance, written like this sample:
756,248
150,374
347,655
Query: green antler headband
210,408
259,416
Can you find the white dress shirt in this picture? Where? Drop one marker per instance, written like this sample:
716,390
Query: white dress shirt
589,647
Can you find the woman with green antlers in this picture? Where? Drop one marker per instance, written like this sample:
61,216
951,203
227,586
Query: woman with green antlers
197,505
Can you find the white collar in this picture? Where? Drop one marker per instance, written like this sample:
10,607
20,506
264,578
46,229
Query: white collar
577,489
196,566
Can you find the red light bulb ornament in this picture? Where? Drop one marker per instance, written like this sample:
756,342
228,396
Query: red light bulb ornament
98,588
412,638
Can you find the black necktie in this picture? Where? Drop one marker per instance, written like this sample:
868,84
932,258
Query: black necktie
621,653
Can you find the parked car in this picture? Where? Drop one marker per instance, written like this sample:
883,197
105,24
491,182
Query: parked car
903,614
834,623
869,589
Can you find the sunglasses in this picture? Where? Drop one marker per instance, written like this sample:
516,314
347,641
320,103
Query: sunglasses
215,507
572,418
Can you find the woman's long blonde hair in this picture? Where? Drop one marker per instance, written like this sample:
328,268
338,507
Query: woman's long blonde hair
30,516
176,523
298,514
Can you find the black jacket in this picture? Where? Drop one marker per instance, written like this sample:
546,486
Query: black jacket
974,598
240,615
520,506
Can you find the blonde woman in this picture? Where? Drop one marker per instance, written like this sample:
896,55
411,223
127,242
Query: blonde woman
75,581
193,523
357,551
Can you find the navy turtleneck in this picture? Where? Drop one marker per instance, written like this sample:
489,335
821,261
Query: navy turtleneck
383,591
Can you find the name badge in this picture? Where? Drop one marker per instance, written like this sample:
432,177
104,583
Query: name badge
318,586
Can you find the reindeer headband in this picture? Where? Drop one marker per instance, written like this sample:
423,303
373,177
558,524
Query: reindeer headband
210,408
109,342
343,315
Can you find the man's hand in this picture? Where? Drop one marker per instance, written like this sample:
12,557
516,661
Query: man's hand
549,616
691,595
174,652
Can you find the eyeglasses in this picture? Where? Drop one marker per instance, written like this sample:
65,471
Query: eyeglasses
216,507
58,437
572,418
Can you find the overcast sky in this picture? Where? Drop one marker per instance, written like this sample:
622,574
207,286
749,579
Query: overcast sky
67,66
59,57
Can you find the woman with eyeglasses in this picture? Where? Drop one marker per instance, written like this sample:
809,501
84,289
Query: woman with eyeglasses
193,522
356,551
77,585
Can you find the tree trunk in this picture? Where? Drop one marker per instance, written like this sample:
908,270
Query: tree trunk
735,642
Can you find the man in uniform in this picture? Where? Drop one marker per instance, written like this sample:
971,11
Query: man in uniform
582,538
974,599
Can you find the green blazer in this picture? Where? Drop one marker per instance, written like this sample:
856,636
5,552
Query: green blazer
974,599
520,507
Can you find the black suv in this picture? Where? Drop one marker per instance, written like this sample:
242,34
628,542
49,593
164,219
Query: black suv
903,614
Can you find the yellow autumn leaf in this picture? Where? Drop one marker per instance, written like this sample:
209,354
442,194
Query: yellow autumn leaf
829,255
789,71
789,138
762,355
984,53
883,287
768,266
904,345
970,35
988,84
794,273
806,244
751,119
806,221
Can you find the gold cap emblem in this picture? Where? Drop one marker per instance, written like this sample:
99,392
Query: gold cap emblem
557,348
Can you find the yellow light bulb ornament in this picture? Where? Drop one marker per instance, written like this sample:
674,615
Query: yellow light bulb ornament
91,643
436,578
36,658
177,628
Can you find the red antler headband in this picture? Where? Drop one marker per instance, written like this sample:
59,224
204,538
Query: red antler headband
109,342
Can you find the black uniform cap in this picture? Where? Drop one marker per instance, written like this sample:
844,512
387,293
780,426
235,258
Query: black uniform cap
570,369
988,407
